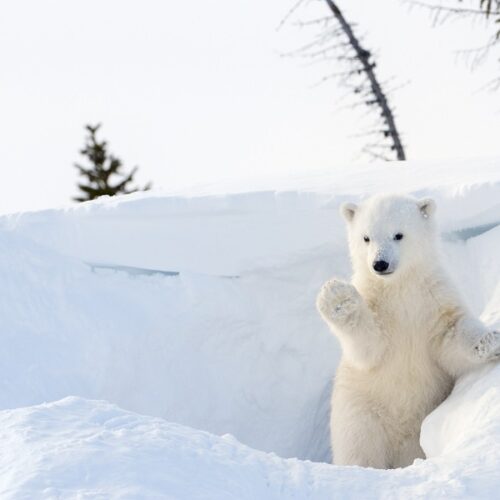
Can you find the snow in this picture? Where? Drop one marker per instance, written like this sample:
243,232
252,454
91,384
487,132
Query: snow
198,308
78,448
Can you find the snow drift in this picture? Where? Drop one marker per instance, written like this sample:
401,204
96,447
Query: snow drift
198,309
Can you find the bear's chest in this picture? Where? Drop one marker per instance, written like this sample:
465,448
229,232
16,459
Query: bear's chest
409,325
409,369
408,319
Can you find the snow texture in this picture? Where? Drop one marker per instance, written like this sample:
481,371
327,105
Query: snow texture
199,309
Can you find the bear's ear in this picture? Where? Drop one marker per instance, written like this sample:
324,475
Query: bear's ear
427,206
348,210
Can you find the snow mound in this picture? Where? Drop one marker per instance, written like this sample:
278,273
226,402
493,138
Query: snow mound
77,448
468,419
199,309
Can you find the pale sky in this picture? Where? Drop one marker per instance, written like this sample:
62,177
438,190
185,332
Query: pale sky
197,92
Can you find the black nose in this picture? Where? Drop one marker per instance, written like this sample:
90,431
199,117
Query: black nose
380,266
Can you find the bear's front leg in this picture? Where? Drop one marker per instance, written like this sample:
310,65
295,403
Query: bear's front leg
467,344
349,317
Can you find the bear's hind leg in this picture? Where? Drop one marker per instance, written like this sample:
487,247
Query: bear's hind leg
408,451
358,438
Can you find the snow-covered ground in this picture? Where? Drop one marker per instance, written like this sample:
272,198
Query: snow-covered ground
196,311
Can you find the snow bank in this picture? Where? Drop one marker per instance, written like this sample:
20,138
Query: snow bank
76,448
247,228
225,338
247,356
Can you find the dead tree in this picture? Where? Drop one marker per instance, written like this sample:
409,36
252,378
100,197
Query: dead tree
338,41
378,97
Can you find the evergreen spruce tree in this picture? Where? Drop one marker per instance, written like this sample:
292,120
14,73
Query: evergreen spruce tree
103,167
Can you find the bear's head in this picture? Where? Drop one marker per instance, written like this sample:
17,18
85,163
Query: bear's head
391,234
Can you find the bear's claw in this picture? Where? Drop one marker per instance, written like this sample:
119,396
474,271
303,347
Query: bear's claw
488,348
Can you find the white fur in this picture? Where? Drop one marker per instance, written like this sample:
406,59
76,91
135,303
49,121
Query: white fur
406,336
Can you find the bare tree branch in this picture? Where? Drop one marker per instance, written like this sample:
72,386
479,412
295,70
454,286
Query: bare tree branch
295,6
440,8
325,20
487,11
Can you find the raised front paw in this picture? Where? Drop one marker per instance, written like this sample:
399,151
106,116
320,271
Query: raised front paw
337,301
488,347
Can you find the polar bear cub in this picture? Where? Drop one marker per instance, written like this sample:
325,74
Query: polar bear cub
405,333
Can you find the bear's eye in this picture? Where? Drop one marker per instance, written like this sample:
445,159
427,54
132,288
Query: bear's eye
366,239
398,236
